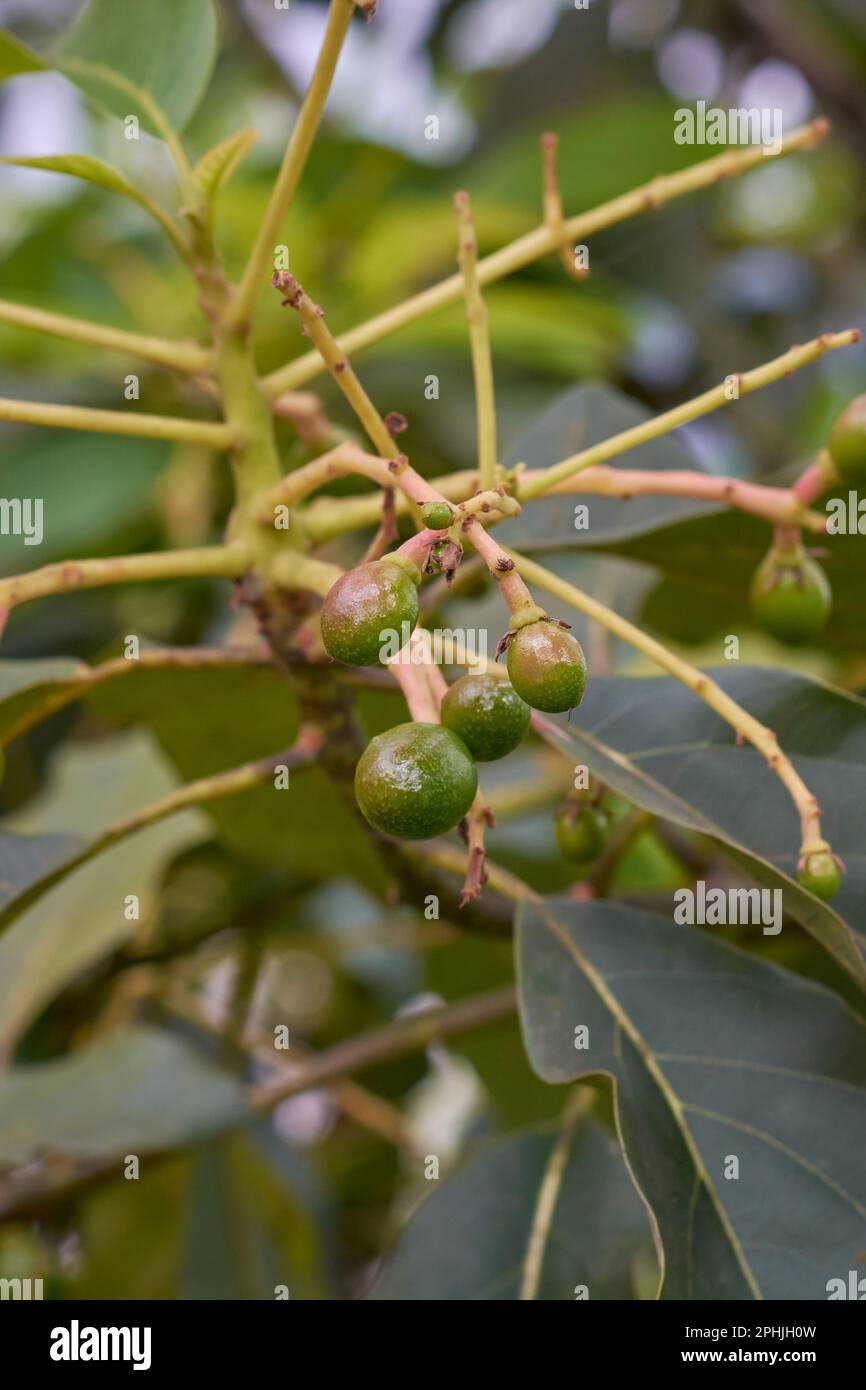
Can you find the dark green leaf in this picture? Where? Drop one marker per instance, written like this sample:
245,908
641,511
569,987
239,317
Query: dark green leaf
469,1239
134,1092
663,748
82,918
715,1056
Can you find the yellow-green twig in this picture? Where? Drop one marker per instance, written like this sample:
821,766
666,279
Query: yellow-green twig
128,422
744,724
182,357
294,160
542,240
731,389
479,340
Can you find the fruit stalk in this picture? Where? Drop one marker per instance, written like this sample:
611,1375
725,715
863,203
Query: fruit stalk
744,724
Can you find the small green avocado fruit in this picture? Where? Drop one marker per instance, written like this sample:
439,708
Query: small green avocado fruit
488,714
847,442
547,666
820,873
370,613
415,780
581,832
790,596
438,516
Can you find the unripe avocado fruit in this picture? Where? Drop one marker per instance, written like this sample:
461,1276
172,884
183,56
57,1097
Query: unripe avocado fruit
365,603
437,515
415,780
487,713
820,874
581,832
790,596
547,666
847,442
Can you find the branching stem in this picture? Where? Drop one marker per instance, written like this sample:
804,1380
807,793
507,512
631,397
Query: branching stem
744,724
540,242
77,417
182,357
294,161
479,340
731,389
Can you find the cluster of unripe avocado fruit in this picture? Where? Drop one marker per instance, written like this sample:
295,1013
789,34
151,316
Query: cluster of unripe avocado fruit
790,596
419,779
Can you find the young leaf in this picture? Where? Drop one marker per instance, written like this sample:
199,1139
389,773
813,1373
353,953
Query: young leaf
219,163
16,57
740,1092
147,60
96,171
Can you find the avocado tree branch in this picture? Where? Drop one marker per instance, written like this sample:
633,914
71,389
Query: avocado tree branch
479,340
544,239
398,1039
731,389
294,161
328,517
182,357
743,723
213,561
75,417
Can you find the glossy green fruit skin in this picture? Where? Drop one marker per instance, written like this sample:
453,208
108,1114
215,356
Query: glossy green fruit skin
821,875
364,603
847,442
488,714
415,781
582,838
547,667
791,601
437,515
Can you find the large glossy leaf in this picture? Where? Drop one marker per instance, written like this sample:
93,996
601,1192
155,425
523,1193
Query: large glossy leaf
132,58
83,917
470,1238
715,1057
663,748
583,416
137,1091
208,720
